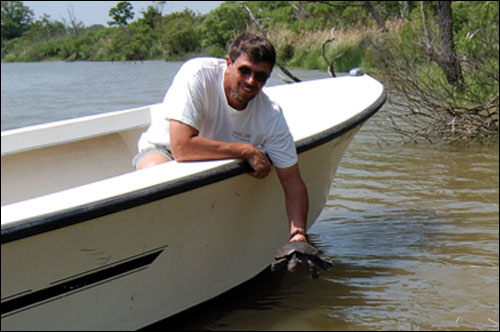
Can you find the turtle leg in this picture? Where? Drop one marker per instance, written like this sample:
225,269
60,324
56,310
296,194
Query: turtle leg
322,261
312,268
292,262
277,263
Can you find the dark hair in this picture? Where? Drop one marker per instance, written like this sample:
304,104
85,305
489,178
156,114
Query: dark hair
258,48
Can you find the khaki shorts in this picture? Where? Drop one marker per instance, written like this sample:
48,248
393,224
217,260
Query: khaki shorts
153,149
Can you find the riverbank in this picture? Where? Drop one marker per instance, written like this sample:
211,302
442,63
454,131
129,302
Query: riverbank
345,48
428,107
458,114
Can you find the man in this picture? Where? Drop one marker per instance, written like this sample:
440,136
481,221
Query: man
215,109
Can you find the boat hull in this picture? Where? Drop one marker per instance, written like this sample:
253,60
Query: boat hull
134,267
90,244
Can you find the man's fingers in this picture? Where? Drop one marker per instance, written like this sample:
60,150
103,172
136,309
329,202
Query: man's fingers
260,174
260,164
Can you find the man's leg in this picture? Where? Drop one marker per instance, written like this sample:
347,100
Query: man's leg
151,156
151,159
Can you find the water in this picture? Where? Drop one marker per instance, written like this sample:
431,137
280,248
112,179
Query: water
35,93
412,229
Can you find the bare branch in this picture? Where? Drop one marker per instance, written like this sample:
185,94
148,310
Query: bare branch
367,4
344,4
264,33
376,16
424,24
331,71
74,25
428,108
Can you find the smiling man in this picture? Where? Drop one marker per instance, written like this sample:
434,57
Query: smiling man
216,109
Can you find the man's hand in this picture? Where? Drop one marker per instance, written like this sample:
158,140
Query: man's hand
260,164
187,145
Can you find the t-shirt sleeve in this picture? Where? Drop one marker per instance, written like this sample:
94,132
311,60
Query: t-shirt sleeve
280,146
184,99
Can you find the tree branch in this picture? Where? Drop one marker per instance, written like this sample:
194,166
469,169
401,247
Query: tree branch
264,33
331,71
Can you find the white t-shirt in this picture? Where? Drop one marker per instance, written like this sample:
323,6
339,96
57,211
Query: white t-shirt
196,98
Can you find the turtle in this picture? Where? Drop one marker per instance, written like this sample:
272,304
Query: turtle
298,252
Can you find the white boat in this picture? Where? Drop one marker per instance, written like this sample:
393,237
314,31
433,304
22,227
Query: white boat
90,244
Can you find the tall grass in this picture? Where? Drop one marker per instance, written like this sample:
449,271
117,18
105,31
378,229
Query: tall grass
438,110
305,49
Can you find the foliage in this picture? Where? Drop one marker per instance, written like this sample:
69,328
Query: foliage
391,40
222,25
429,106
121,14
478,43
180,34
45,29
16,19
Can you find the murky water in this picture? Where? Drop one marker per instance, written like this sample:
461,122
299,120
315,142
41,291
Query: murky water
412,229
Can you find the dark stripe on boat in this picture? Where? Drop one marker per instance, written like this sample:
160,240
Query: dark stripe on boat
98,209
78,283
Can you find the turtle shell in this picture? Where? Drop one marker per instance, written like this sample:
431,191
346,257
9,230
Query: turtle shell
296,246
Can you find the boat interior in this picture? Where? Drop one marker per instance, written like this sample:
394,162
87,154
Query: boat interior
49,168
48,158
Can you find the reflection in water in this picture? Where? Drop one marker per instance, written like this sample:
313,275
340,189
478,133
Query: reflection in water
430,214
413,231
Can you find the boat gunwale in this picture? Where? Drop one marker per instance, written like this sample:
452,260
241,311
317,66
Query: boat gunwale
52,221
129,119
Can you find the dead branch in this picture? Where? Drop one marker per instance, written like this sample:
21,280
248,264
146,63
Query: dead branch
264,33
329,64
420,111
376,16
367,4
424,24
75,26
300,12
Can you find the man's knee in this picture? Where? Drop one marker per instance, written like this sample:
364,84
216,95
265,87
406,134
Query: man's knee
151,159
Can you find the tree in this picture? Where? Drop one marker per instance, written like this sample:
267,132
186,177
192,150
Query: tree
44,29
368,5
152,17
223,24
179,34
443,80
16,19
446,58
74,26
121,13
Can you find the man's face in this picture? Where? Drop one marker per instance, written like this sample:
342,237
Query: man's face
244,79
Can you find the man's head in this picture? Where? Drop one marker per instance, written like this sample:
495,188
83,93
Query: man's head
249,64
256,47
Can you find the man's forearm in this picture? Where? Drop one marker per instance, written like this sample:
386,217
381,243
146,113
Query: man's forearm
187,145
201,148
296,198
297,206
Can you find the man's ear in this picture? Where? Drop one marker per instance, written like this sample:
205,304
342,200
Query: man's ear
228,60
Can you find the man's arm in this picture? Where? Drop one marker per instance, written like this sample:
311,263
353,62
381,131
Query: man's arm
297,201
187,145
